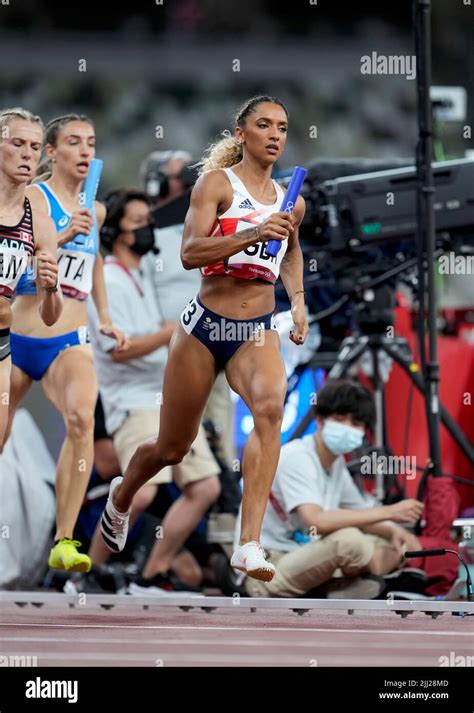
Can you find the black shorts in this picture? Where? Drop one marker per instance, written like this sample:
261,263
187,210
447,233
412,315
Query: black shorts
222,335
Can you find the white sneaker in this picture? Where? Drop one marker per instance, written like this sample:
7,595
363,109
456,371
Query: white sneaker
160,586
250,558
114,524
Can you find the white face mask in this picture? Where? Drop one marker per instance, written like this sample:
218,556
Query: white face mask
341,438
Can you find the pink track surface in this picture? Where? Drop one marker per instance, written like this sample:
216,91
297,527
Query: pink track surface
171,637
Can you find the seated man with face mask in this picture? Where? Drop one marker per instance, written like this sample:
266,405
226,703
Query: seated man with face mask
320,530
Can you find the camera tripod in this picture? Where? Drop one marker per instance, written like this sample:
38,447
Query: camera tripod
375,317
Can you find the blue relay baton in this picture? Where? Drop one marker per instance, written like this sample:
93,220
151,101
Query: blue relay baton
292,192
89,193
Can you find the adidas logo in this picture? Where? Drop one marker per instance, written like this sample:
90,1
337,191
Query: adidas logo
247,204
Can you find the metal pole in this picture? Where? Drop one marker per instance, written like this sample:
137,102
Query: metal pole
426,226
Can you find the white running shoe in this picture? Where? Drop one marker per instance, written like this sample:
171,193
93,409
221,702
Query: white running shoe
161,585
250,558
114,524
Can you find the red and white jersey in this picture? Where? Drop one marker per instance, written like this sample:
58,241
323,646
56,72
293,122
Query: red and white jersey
244,213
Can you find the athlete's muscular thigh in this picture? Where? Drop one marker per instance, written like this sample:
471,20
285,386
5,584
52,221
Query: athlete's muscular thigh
189,376
71,377
257,372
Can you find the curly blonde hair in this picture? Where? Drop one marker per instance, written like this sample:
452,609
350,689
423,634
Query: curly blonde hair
227,151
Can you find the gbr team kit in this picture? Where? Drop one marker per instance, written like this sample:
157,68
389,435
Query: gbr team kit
249,264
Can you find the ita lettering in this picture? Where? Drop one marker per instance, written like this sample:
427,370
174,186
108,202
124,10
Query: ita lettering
73,260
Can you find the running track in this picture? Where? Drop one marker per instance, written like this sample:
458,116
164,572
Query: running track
167,636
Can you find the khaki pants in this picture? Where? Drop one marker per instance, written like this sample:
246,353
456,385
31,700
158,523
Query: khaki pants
346,552
141,425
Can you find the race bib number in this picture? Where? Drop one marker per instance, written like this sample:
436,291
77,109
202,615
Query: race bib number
254,261
13,264
75,273
191,315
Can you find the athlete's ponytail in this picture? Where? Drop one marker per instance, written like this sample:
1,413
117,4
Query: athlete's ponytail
44,171
224,153
53,128
228,151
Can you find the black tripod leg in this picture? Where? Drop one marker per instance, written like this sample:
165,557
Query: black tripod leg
303,424
350,351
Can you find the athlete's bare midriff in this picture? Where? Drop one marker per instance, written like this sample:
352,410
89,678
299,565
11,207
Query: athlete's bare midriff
236,298
27,319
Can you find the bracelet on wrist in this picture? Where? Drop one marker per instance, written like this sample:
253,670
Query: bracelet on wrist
50,290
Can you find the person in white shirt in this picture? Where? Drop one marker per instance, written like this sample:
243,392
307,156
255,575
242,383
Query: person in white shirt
131,381
317,523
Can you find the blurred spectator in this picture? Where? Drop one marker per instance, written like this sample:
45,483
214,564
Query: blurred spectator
321,531
106,467
103,578
167,177
131,381
27,475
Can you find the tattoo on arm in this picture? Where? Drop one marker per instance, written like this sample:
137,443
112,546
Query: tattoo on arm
247,234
